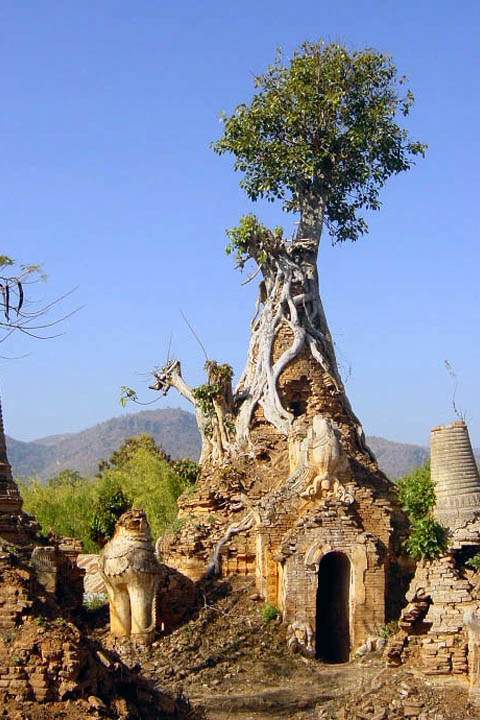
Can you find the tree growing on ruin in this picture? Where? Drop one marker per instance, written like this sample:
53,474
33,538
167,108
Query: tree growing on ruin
322,134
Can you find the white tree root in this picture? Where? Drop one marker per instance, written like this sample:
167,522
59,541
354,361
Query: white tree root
289,296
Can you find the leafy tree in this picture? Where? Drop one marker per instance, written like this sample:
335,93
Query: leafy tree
128,449
186,469
63,508
88,509
322,133
110,503
151,484
71,478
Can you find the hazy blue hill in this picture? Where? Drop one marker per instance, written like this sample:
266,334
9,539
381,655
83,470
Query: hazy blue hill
32,456
397,459
175,430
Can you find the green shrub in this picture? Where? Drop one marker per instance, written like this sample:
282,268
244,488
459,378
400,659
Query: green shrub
150,483
63,508
270,612
474,562
427,539
95,602
386,631
416,493
111,503
187,470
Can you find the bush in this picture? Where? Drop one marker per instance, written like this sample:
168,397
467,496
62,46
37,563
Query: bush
150,483
94,602
427,539
416,493
386,631
270,612
186,469
111,503
62,507
474,562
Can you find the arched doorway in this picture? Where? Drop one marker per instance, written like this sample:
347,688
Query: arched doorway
333,608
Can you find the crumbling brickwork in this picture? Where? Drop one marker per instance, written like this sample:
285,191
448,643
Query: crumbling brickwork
36,665
437,628
276,512
432,633
15,596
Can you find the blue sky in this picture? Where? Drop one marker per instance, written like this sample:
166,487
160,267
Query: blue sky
107,178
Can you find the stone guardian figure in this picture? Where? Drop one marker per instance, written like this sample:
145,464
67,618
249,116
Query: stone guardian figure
131,574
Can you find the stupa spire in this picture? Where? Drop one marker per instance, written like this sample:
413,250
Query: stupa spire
455,475
10,499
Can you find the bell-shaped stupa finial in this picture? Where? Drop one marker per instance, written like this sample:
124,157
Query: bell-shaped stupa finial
455,475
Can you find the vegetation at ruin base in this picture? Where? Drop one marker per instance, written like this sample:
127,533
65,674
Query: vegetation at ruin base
138,474
416,492
270,612
474,562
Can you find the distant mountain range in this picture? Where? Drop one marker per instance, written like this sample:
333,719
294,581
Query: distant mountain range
174,430
397,459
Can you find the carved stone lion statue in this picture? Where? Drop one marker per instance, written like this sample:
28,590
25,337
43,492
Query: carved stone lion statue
131,574
325,460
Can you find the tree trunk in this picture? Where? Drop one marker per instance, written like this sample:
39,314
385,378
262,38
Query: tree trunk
289,299
288,308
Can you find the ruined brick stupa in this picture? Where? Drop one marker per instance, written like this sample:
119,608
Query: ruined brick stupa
455,475
54,565
306,512
15,526
437,625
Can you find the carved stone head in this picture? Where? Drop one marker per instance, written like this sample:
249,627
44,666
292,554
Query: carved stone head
134,523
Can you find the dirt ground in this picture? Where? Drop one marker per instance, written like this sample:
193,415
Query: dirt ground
235,665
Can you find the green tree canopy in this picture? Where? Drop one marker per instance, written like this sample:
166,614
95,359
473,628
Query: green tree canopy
67,477
150,483
137,474
63,508
322,133
110,503
128,449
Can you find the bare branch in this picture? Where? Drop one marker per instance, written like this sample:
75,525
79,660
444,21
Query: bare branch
194,334
20,312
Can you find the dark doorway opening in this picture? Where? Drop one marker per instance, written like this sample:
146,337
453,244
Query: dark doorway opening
333,608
